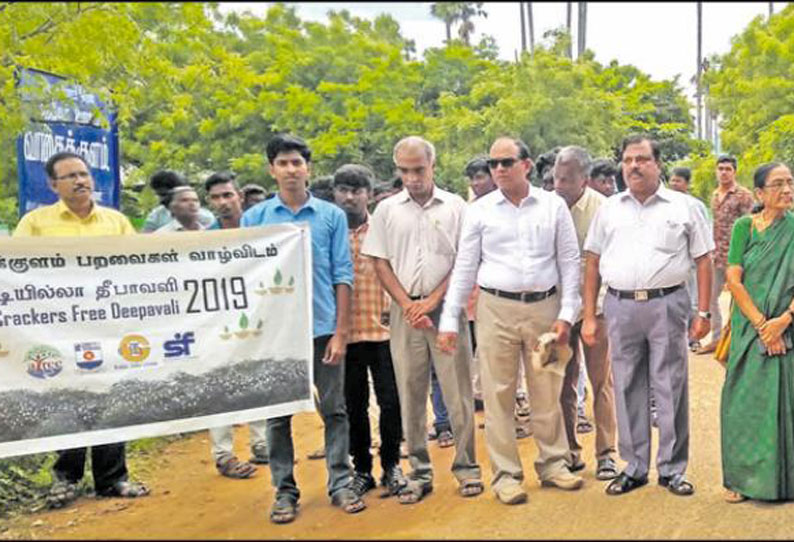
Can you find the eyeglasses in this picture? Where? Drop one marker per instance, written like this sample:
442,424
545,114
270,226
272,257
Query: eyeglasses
506,163
640,160
74,176
778,185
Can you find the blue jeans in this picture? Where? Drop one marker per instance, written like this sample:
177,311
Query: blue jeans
330,383
441,422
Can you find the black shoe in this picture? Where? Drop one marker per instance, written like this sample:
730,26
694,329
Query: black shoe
479,406
392,480
361,483
677,484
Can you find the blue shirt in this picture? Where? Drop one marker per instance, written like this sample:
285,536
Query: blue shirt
331,261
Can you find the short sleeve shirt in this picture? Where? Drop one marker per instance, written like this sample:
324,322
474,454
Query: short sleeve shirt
419,241
650,244
57,220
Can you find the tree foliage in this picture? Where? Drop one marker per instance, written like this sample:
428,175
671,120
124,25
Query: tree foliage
752,88
198,91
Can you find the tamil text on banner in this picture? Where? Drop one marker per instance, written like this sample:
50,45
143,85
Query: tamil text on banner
106,339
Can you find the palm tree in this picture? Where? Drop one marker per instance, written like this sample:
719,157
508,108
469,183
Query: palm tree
448,12
467,11
452,12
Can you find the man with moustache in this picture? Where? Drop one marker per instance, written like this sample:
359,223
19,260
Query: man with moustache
75,214
413,238
643,242
519,244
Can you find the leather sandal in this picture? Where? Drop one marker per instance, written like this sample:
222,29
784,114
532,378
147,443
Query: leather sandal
471,487
607,469
62,493
348,500
413,492
234,468
624,484
733,497
284,510
677,485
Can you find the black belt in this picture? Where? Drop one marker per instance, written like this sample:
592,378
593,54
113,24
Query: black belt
526,297
417,297
643,295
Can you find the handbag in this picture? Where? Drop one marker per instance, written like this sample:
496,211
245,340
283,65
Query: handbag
723,344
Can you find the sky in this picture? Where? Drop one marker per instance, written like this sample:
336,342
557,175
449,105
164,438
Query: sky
659,38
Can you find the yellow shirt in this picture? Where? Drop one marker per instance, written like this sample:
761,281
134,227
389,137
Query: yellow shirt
57,220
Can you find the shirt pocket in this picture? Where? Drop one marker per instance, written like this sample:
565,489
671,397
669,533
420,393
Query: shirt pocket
671,236
539,239
441,241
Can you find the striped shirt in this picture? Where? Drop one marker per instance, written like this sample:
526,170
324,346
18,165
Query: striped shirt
370,300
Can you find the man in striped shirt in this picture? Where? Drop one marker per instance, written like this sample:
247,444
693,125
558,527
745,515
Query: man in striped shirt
368,348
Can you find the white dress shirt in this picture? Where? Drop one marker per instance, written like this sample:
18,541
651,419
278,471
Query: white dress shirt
419,241
650,245
528,248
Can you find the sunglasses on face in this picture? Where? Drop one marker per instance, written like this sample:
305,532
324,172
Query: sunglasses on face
506,163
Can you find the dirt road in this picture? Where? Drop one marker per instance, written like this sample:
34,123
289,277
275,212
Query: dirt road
190,500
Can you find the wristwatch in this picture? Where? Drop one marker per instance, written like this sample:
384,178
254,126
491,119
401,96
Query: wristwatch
705,314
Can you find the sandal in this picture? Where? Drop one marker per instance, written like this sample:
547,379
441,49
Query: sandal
471,487
733,497
624,484
607,469
62,493
413,492
445,439
347,500
234,468
284,510
677,485
125,489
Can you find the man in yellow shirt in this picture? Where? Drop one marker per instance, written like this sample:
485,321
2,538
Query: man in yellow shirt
76,214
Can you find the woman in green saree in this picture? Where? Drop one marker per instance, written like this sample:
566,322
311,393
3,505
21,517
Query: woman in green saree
757,414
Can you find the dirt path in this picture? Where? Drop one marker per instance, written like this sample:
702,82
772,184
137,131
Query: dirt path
190,500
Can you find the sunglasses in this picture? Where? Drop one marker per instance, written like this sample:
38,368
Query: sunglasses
506,163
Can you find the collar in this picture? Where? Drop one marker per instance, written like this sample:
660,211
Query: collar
731,190
662,192
64,211
310,203
437,195
532,195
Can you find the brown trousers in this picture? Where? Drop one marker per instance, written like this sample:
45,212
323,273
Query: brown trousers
599,371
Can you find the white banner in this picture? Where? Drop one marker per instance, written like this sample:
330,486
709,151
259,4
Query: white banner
106,339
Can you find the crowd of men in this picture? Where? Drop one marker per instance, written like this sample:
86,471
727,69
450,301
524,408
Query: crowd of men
522,288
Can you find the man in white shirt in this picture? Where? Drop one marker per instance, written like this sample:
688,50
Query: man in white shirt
413,238
571,173
519,244
643,242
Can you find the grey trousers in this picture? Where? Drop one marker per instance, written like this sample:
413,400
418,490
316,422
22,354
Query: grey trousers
413,350
648,346
717,284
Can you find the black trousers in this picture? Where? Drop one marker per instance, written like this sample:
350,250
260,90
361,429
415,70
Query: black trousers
108,465
375,357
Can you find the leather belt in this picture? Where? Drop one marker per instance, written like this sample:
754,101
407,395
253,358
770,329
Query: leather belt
643,295
526,297
417,297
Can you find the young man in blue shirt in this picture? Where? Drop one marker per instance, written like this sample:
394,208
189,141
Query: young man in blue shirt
289,159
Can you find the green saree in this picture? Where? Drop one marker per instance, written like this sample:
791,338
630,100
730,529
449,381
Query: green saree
757,411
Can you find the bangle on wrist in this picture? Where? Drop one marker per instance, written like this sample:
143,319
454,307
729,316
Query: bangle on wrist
760,323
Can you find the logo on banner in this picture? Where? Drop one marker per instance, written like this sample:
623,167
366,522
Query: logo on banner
134,348
179,346
44,361
88,356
